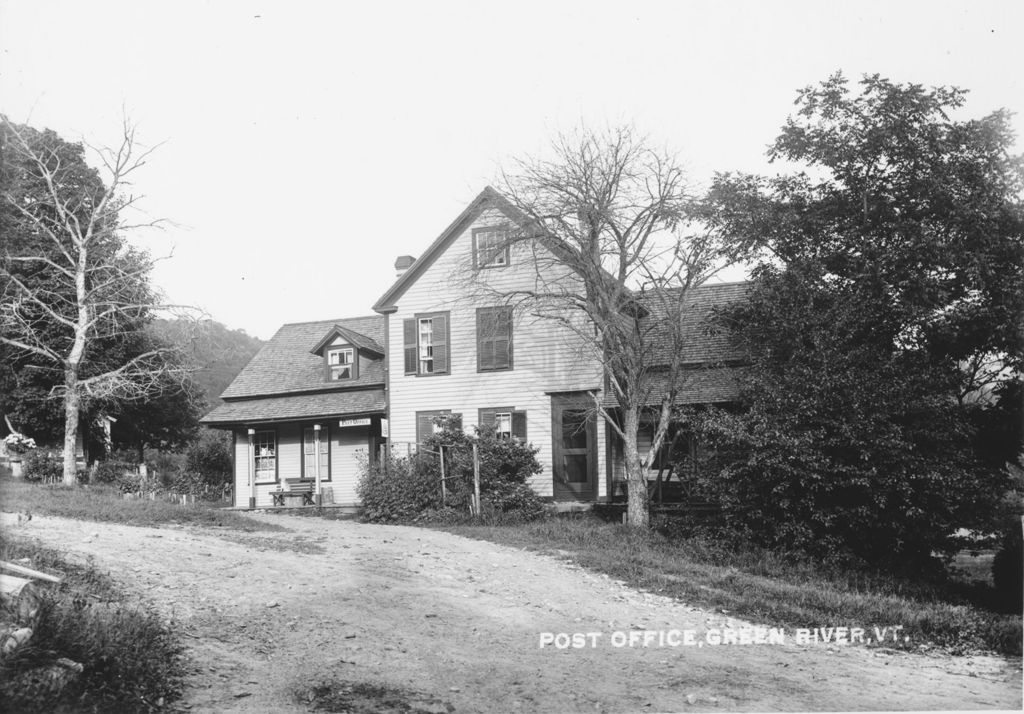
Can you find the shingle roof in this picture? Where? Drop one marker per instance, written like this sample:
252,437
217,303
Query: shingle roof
298,406
285,364
351,336
709,385
700,345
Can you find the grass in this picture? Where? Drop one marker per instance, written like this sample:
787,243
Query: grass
101,502
768,587
131,660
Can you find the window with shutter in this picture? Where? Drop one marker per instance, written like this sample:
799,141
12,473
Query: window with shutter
505,421
493,339
426,344
426,423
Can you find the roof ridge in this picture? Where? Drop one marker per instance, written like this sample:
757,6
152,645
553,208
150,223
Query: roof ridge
332,320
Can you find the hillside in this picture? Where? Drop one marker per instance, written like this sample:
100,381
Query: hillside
218,352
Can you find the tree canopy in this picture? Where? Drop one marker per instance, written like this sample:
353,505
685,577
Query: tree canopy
883,321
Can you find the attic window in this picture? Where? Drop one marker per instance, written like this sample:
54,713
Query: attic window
490,247
341,364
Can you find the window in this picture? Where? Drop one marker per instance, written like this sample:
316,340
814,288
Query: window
426,341
341,363
493,339
506,422
427,423
265,456
675,447
490,247
309,448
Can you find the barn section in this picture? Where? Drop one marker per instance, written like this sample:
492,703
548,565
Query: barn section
305,411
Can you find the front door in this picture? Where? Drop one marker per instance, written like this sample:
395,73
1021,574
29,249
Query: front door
574,438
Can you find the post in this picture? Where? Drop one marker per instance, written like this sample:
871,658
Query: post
444,487
316,445
252,466
476,480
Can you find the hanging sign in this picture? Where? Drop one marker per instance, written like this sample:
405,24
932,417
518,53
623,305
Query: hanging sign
384,429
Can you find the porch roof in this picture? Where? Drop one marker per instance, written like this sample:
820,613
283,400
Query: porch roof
320,405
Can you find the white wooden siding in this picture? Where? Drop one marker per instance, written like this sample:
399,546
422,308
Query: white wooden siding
546,357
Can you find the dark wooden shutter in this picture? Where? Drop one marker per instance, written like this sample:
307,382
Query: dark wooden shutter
440,338
424,425
487,417
409,332
502,338
484,345
519,425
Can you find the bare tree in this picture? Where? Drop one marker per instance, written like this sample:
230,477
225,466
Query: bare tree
71,285
617,246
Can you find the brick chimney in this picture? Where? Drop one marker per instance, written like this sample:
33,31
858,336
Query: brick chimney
402,264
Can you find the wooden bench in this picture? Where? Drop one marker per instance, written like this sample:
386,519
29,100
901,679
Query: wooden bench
295,486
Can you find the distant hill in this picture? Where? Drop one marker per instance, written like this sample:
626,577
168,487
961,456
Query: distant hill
218,352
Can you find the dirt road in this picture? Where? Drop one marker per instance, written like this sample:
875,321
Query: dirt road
442,623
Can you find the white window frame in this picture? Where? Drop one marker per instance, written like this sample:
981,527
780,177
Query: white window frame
499,430
336,367
425,345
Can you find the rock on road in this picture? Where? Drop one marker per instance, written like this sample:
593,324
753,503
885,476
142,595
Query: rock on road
454,624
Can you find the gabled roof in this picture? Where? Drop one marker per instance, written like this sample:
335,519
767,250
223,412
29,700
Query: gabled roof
364,343
286,365
488,198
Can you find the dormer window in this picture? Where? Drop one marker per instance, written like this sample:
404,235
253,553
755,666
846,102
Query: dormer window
490,247
341,363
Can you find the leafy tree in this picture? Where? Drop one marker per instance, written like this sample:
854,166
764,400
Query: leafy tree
888,301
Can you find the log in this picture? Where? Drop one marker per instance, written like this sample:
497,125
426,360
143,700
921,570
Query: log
28,572
19,601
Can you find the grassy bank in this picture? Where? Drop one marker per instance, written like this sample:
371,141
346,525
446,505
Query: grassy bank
131,659
103,502
776,589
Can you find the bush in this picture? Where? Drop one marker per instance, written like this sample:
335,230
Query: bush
111,471
210,456
402,493
39,466
412,488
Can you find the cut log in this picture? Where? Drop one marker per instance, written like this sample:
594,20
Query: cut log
19,601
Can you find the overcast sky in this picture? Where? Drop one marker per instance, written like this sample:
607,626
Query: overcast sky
307,144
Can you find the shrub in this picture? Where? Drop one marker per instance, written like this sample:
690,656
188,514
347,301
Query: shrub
400,493
39,466
111,471
412,488
210,456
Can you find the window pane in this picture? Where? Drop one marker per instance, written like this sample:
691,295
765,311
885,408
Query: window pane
503,425
575,468
574,429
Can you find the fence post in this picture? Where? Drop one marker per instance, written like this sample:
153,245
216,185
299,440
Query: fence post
444,487
476,480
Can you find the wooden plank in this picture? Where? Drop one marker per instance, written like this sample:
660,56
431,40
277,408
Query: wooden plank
22,570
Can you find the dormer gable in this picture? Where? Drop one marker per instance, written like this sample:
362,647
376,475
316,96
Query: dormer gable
341,349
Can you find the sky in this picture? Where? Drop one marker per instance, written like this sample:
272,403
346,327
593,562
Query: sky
303,146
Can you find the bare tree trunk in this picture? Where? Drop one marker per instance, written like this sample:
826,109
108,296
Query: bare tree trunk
72,402
638,504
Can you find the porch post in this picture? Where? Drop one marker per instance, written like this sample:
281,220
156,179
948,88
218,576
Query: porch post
252,475
316,446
